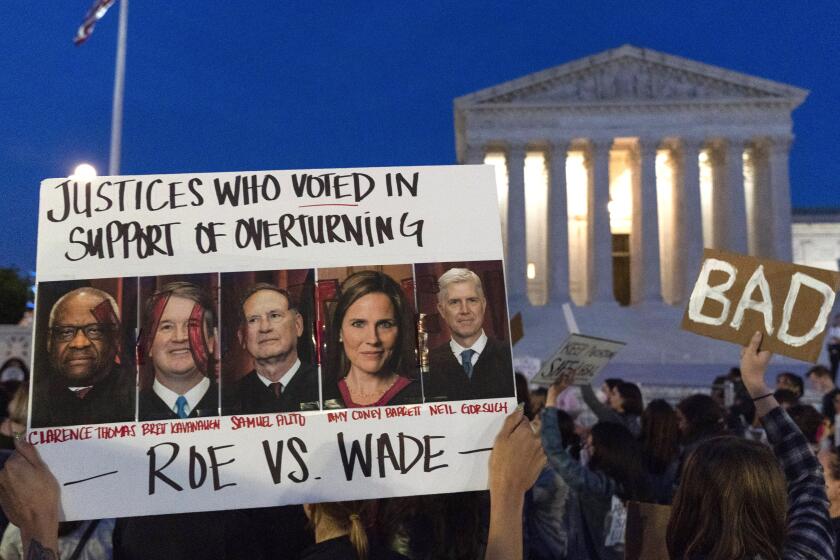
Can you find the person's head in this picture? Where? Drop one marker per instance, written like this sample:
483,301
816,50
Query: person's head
660,435
830,461
180,320
330,519
626,398
791,382
461,303
18,406
372,326
270,325
615,452
786,398
608,386
731,503
835,401
538,397
821,379
719,389
808,420
568,433
83,342
699,416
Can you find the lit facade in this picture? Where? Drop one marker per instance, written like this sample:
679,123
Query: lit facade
615,170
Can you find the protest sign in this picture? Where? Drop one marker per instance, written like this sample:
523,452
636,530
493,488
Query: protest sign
581,356
232,340
737,295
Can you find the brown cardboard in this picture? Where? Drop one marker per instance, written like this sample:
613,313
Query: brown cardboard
517,330
808,308
644,537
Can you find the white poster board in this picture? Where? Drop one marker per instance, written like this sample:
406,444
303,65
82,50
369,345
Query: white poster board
581,356
129,235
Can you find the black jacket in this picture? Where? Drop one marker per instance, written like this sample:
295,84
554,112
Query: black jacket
250,395
492,375
110,400
153,408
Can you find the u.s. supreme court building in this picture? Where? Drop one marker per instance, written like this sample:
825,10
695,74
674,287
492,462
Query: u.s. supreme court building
613,172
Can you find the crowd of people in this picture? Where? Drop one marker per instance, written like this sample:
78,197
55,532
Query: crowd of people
747,471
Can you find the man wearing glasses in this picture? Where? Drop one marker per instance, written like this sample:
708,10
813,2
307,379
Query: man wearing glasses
270,326
86,384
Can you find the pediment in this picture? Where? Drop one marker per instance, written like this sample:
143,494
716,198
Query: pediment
634,75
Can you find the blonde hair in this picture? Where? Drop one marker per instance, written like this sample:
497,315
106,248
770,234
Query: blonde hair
351,517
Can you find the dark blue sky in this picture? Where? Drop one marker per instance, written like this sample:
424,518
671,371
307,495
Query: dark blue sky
223,86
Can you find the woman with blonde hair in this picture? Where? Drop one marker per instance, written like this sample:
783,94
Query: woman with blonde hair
734,502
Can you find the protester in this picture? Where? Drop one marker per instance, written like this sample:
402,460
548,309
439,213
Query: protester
436,526
15,423
699,418
552,521
87,540
732,500
341,532
810,423
660,441
614,474
791,382
830,461
786,398
515,462
29,495
624,405
823,382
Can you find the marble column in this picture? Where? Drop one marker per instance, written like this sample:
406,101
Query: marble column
516,240
689,218
735,206
779,191
558,224
599,237
645,275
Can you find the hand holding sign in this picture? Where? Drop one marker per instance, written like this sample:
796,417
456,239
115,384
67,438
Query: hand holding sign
29,496
563,382
736,295
753,367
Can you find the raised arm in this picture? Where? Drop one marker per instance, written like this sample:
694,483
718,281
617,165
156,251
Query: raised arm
577,476
599,409
809,531
29,495
515,462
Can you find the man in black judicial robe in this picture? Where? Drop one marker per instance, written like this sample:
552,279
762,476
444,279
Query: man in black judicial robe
85,384
269,332
470,365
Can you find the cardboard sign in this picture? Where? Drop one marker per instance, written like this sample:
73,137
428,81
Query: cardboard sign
737,295
647,525
168,305
581,356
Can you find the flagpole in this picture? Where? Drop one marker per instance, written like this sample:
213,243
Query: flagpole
119,80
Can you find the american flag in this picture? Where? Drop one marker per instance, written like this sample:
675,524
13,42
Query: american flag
94,14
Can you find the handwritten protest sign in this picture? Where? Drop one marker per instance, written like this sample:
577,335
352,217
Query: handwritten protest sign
581,356
230,340
737,295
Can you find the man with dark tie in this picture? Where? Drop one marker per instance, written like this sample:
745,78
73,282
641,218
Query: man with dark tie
471,365
179,338
270,326
85,384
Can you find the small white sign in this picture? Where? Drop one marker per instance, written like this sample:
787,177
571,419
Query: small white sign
581,356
